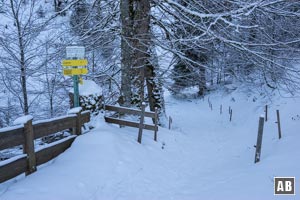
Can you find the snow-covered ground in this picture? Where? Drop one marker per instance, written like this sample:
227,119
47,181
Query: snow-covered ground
204,156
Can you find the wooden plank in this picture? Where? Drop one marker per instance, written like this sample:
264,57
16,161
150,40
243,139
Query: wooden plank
128,111
54,126
11,138
128,123
44,155
13,169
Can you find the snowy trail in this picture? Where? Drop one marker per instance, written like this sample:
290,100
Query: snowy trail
204,156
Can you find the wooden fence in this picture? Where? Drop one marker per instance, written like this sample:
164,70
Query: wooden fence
25,135
141,125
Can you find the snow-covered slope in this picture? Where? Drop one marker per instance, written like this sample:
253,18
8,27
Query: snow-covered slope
204,156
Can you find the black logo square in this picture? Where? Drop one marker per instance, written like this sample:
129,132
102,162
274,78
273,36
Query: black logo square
284,185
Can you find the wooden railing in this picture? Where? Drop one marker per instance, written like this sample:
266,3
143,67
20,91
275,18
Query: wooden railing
141,125
26,134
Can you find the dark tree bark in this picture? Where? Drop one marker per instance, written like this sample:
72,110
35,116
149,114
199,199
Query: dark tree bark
137,68
126,51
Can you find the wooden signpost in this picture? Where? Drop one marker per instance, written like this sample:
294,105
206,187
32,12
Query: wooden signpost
73,63
76,71
74,66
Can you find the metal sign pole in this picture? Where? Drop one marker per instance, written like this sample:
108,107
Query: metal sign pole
76,91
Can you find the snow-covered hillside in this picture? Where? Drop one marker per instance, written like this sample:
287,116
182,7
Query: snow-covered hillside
204,156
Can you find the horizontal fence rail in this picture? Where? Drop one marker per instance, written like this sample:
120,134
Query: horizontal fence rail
140,125
124,122
25,134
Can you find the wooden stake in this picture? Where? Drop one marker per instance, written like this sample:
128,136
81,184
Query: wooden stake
29,148
170,122
266,113
141,126
278,123
155,122
78,123
259,139
230,115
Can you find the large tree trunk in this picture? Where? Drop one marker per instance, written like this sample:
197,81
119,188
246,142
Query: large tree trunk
126,51
136,61
141,43
135,38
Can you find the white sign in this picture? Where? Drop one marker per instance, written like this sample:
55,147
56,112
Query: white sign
75,52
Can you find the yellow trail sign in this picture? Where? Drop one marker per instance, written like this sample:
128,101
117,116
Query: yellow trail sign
75,71
74,63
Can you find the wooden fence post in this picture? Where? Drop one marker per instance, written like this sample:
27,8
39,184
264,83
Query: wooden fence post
259,140
278,124
29,147
78,124
230,118
155,122
141,126
170,122
266,112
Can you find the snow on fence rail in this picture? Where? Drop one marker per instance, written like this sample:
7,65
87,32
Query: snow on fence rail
25,135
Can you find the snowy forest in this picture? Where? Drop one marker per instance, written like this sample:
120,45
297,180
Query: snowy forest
211,90
137,49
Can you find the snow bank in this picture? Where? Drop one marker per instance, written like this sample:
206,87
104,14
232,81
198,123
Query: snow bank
204,156
88,87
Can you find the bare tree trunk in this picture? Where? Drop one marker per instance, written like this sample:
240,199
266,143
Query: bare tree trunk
22,59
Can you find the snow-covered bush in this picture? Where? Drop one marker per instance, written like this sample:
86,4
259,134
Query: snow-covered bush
90,97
